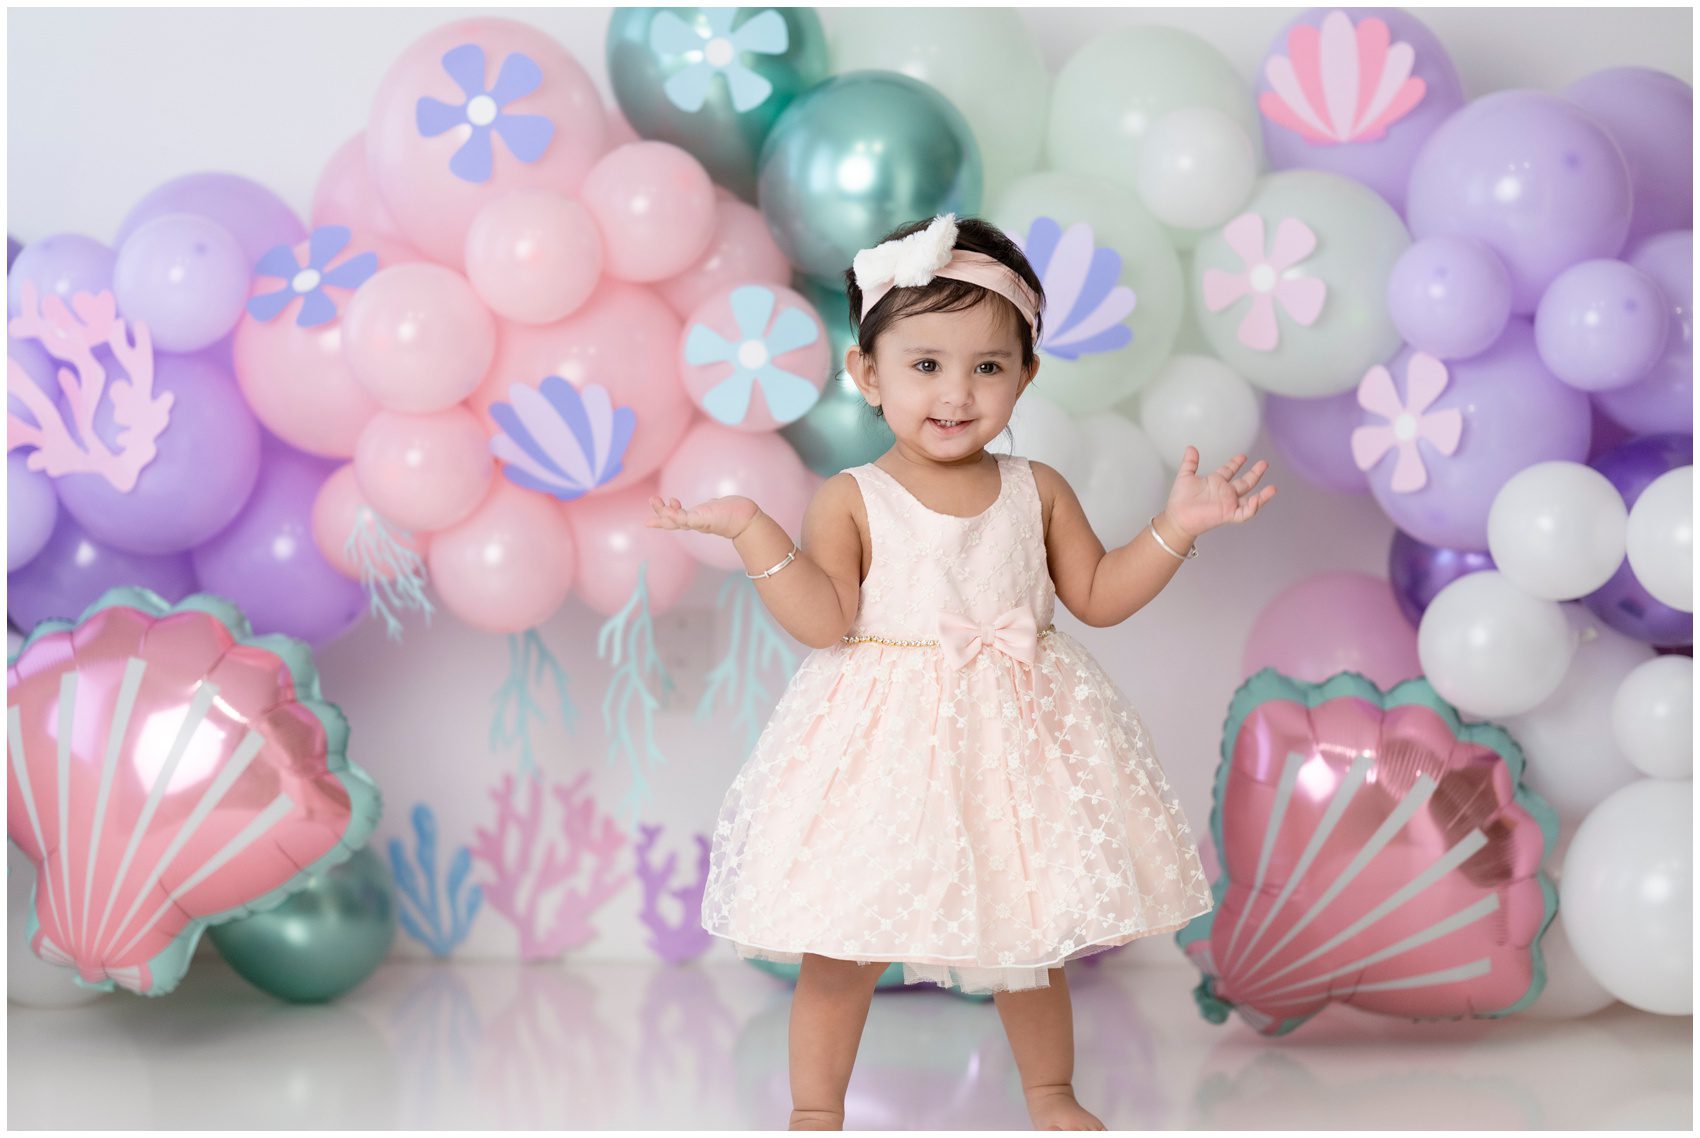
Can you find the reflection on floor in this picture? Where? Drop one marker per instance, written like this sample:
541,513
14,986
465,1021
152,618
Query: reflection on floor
490,1045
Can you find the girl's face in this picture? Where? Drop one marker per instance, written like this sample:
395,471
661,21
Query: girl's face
947,381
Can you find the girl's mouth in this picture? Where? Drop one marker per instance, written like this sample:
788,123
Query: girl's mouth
950,426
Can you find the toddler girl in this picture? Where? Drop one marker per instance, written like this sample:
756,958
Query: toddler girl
949,781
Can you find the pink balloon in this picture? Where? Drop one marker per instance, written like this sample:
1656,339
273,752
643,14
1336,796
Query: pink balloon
297,379
471,111
619,132
419,339
741,250
715,462
533,256
509,566
424,472
755,357
347,196
654,204
337,510
624,339
612,541
1338,621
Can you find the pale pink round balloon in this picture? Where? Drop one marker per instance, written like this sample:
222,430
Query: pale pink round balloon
654,204
715,461
625,339
346,195
424,472
339,507
619,130
1338,621
754,357
418,338
612,541
533,256
297,380
509,566
470,111
741,250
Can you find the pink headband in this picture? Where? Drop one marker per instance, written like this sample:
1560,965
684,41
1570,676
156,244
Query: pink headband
916,259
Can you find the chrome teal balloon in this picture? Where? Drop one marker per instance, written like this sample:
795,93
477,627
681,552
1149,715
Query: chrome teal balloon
840,430
857,156
322,941
713,80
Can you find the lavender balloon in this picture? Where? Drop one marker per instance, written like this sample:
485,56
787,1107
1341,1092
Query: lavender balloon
1324,108
32,508
1315,437
186,277
1621,602
209,456
42,370
1449,296
256,217
1513,412
1608,433
1650,115
1531,174
1601,325
1418,571
73,570
1664,400
62,264
267,563
12,250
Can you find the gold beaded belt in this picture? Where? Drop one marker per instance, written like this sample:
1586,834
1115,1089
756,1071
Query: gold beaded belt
1046,631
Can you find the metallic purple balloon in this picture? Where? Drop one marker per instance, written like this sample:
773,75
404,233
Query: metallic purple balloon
1622,602
1315,437
1533,175
1601,325
73,570
255,216
1449,296
1650,115
1378,153
62,264
1664,400
266,562
1418,571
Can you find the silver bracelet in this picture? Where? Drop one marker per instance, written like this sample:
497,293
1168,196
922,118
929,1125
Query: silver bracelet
789,557
1193,552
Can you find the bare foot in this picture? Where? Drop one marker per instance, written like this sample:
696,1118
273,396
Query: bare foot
817,1120
1054,1108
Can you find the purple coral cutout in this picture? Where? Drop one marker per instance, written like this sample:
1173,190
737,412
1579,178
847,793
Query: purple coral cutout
688,939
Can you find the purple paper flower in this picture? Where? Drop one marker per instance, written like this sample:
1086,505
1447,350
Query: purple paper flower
526,136
308,282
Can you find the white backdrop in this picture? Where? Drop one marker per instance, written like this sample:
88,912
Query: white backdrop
106,104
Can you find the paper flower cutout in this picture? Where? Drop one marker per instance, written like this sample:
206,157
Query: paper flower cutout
718,50
310,281
526,136
1339,83
1080,283
1265,278
560,441
762,338
1425,379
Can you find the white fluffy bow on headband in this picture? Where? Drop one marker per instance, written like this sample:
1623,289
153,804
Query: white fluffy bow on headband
907,261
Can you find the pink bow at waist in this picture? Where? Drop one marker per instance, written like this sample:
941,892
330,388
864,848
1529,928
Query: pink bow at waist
1014,633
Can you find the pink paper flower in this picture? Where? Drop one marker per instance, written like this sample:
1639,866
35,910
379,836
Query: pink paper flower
1425,379
1266,280
1341,82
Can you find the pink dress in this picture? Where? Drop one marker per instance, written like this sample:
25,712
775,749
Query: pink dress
980,802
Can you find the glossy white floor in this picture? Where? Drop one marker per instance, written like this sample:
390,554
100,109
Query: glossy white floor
631,1046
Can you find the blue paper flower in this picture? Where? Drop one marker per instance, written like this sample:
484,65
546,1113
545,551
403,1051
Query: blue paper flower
788,396
718,49
309,282
527,136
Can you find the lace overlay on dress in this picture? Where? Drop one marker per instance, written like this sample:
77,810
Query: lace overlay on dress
980,823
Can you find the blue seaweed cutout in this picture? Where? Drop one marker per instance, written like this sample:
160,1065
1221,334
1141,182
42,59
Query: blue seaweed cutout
630,686
755,645
529,661
423,914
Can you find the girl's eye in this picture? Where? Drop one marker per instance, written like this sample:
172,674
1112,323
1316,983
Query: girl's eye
928,369
992,365
931,366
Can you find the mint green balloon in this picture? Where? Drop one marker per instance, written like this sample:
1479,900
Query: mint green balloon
1095,379
840,430
984,60
1112,90
713,80
1358,237
856,157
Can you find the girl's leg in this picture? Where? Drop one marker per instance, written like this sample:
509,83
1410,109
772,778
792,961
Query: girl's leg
828,1012
1040,1025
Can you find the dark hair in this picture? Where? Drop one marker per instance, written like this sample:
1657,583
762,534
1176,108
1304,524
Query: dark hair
946,294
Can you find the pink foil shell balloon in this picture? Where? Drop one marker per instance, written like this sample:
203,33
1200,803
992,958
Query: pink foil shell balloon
169,771
755,357
1376,851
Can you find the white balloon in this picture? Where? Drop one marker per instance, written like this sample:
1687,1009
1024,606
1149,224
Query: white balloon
1126,482
1573,760
1198,401
1556,529
1652,716
1491,649
1195,168
30,980
1041,430
1661,538
1628,895
1570,991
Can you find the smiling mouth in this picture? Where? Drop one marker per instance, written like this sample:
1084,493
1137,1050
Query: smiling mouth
949,424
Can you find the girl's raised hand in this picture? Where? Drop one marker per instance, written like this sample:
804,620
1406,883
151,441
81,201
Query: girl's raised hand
1198,504
723,517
